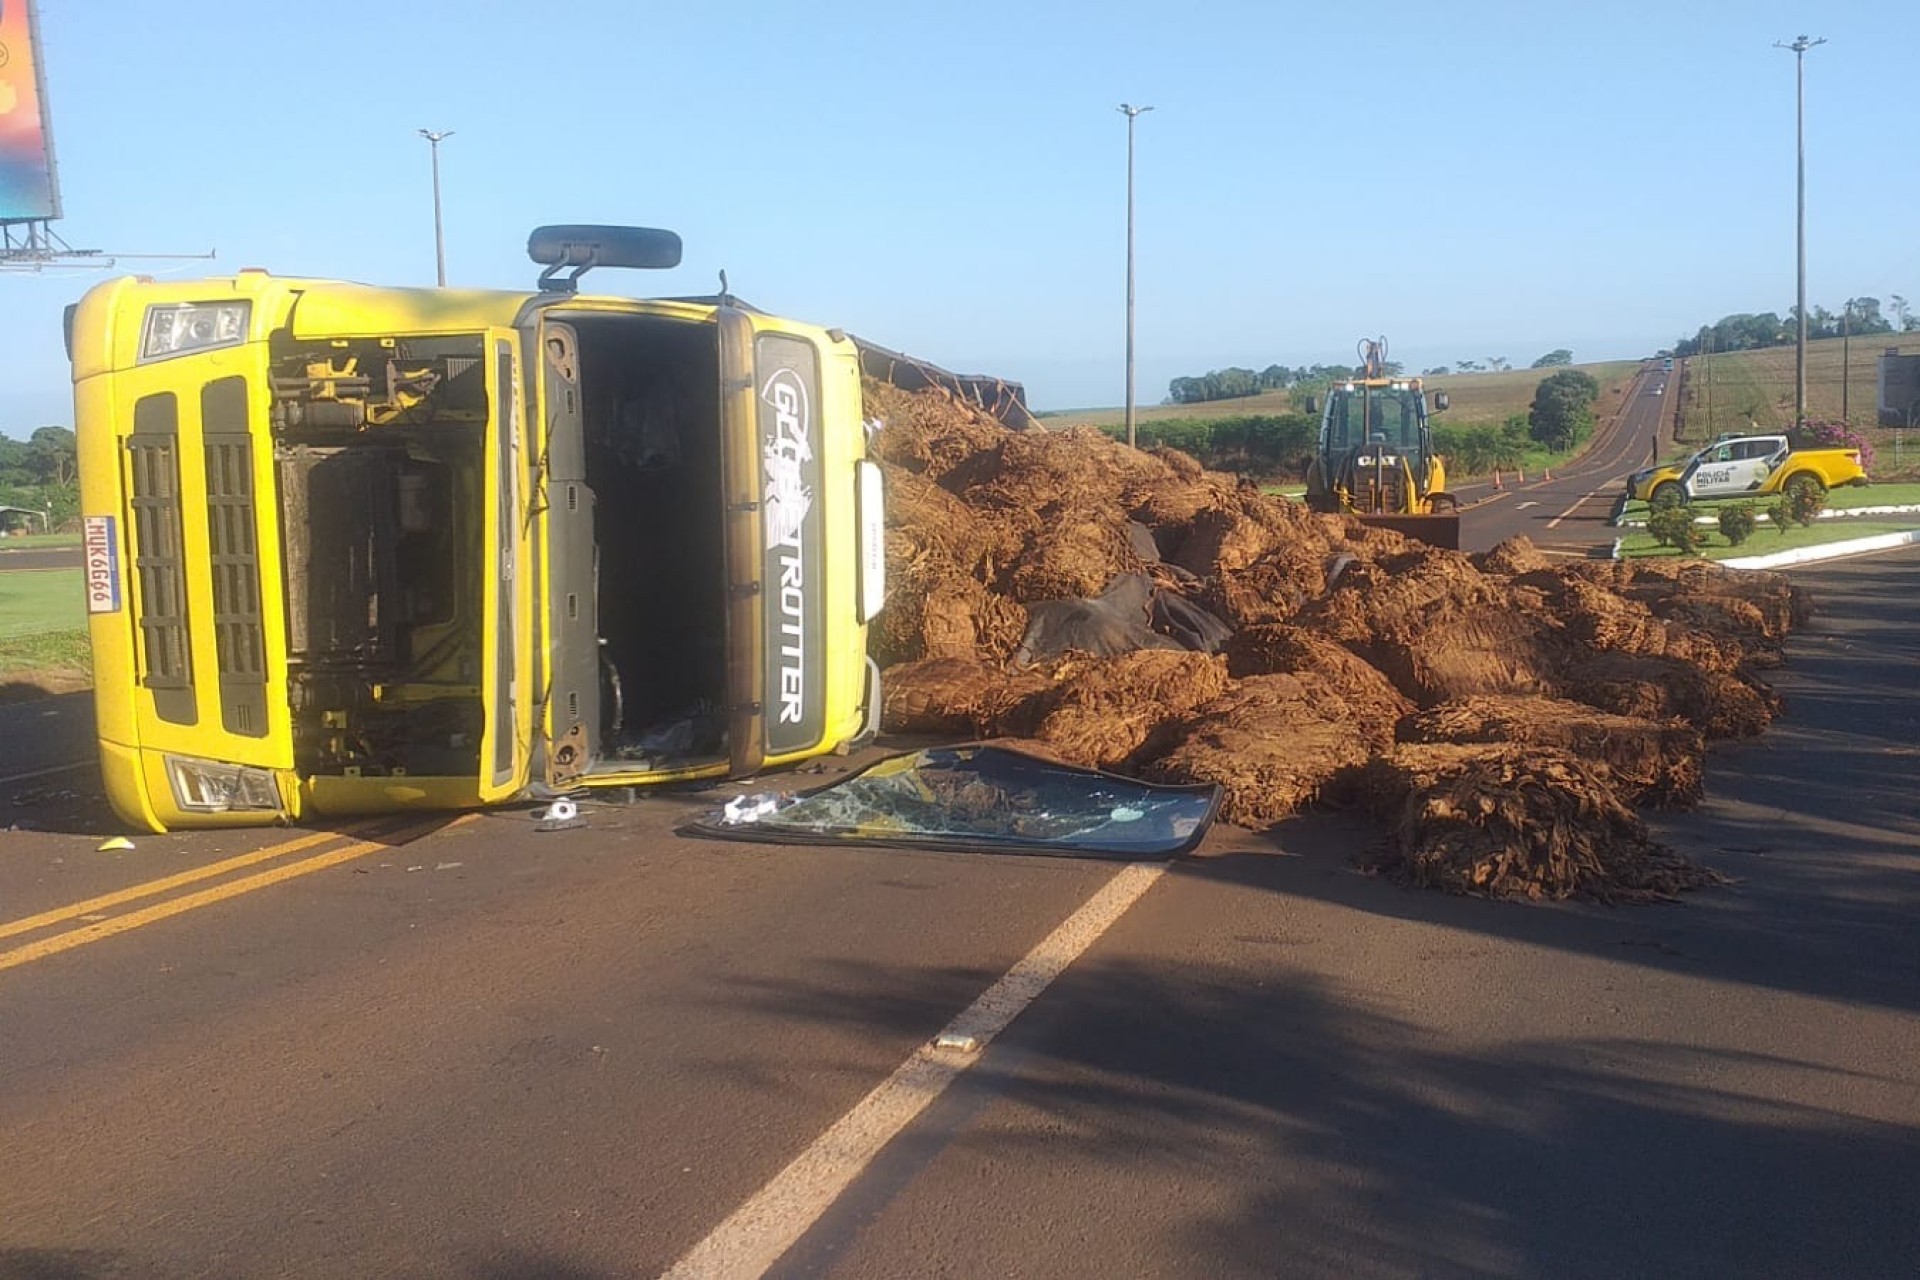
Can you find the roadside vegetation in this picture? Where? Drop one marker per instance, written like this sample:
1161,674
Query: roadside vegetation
29,541
1712,544
43,636
1484,398
43,620
1787,522
1520,419
39,480
1846,498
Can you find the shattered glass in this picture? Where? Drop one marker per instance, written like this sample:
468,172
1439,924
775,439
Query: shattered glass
980,797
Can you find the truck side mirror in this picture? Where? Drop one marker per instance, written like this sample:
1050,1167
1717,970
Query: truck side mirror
1440,401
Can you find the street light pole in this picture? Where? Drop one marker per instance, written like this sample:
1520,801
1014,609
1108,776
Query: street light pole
1846,361
439,242
1800,46
1130,112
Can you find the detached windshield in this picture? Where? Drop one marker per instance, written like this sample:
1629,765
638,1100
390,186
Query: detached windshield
1373,416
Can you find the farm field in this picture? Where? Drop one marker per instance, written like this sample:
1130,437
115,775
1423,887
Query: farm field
1748,390
1478,399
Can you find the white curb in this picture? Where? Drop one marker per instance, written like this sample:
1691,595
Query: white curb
1826,551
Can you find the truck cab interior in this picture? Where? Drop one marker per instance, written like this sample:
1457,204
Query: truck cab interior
636,497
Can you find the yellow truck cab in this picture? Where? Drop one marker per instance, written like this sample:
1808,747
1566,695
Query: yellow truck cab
358,550
1745,467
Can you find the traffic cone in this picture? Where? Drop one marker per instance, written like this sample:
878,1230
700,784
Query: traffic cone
1546,473
1520,472
1496,479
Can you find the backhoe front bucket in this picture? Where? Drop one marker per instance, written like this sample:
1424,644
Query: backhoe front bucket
1439,530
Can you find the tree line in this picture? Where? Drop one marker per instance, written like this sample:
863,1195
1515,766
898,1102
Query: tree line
1235,382
1745,331
1273,445
1253,444
40,473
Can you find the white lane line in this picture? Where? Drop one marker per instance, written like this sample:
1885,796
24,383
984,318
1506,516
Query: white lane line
752,1239
41,773
1554,523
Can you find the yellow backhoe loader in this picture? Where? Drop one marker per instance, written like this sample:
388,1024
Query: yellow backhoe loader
1375,458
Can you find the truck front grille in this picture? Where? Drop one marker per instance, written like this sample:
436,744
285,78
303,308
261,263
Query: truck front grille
239,654
159,560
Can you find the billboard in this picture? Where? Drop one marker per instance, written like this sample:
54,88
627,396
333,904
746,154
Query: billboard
27,187
1899,389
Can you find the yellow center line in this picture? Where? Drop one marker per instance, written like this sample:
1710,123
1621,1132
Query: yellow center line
218,893
151,887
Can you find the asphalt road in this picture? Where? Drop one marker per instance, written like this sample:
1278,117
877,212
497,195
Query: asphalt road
12,558
1566,513
495,1052
45,735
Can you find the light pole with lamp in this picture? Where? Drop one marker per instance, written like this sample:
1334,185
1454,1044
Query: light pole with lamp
1799,47
1131,112
439,243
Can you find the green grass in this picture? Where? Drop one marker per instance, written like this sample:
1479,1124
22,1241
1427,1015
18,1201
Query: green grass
63,651
26,540
43,631
1766,539
37,600
1843,499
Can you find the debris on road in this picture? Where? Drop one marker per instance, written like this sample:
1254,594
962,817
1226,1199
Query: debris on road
1513,821
561,814
1052,588
981,796
752,808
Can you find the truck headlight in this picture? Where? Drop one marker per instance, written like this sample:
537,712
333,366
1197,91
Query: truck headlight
213,786
177,328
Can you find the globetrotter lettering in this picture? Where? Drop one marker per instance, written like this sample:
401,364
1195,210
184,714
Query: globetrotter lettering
787,448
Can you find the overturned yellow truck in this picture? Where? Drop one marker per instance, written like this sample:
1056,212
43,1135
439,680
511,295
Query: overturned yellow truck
359,550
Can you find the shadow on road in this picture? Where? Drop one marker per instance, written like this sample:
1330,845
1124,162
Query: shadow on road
1340,1135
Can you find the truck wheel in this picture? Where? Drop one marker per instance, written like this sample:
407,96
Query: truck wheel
1668,493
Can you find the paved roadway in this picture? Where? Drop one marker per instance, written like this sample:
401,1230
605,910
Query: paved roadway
1566,513
12,558
44,738
492,1052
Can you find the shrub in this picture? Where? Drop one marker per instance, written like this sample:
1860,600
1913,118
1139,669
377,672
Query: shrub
1667,497
1736,522
1832,435
1777,513
1674,527
1805,500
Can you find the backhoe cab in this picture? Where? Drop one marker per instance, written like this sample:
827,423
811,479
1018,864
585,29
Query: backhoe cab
1375,459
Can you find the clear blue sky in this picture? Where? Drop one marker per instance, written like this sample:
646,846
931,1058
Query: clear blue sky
1471,179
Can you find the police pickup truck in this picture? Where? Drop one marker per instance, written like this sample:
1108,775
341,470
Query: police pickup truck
1743,467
